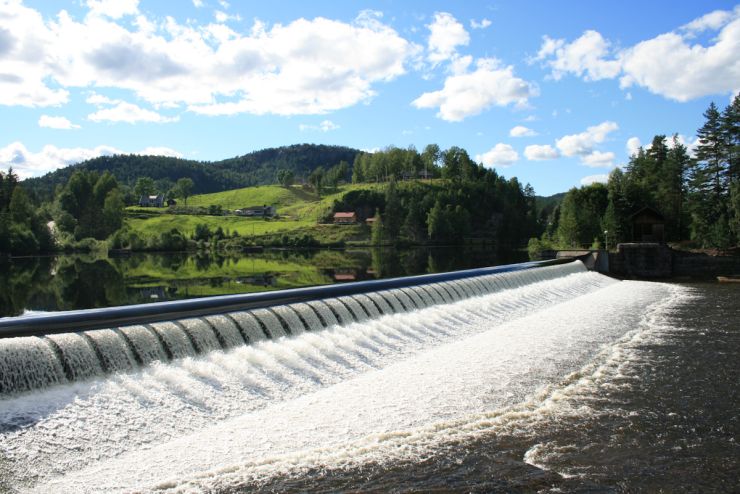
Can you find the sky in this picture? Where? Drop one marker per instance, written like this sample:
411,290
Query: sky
556,94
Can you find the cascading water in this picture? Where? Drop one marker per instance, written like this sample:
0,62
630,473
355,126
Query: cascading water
221,401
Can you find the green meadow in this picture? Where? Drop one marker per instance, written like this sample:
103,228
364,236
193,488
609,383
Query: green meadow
299,211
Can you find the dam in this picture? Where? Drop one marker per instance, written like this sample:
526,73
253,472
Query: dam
365,386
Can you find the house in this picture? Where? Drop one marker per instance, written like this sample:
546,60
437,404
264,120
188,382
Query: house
345,275
648,225
258,211
407,175
425,175
152,201
370,221
345,218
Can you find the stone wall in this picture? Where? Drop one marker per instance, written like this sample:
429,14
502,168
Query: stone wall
641,260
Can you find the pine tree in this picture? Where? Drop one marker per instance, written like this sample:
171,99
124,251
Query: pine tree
708,183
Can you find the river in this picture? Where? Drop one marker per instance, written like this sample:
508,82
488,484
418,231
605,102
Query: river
580,383
74,281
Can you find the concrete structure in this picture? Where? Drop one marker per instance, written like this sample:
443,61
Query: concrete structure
594,260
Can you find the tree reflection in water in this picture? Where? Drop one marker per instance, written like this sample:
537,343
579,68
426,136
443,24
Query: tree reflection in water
86,281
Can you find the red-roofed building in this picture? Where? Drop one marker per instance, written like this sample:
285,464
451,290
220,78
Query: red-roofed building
345,218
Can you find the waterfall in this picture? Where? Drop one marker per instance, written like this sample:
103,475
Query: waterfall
300,386
36,362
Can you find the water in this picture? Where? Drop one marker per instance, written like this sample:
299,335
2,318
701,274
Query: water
577,383
84,281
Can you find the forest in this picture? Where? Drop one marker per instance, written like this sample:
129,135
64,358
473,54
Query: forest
698,194
257,168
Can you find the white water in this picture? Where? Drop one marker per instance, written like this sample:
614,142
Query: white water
379,389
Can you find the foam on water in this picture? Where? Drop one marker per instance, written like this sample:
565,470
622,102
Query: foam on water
366,390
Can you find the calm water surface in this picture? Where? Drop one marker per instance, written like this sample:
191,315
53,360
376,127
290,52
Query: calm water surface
84,281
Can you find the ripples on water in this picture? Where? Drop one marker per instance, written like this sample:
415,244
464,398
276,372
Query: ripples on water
580,383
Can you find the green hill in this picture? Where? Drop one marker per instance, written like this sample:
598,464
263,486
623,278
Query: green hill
257,168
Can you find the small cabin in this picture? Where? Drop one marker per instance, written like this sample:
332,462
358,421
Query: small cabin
425,175
648,225
152,201
345,218
370,221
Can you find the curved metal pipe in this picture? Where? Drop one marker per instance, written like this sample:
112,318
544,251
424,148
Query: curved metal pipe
112,317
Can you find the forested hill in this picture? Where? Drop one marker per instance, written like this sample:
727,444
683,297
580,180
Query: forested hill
256,168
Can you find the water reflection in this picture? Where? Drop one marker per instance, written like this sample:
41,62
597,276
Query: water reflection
86,281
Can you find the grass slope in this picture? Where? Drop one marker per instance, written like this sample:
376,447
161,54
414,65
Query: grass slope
299,211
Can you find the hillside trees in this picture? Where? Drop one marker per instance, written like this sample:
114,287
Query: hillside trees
144,187
90,205
184,188
23,229
285,177
698,196
714,178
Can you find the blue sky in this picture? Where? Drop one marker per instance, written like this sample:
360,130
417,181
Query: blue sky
554,93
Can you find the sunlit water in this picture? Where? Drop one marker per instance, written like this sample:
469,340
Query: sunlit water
547,386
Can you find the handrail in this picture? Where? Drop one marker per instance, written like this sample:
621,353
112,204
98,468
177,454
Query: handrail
113,317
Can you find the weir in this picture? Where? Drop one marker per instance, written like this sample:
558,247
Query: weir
44,350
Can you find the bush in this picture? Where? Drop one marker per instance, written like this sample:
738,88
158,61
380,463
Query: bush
22,240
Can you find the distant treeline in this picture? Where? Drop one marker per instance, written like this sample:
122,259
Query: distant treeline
698,196
257,168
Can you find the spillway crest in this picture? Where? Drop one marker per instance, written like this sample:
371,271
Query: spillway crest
28,363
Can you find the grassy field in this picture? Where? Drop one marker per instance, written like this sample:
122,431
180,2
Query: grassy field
292,201
299,211
186,224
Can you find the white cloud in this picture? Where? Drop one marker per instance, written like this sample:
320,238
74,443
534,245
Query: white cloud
198,3
129,113
500,155
446,34
671,64
537,152
711,21
160,151
598,159
304,67
23,41
482,24
29,164
60,123
583,57
583,144
601,178
522,131
115,9
633,145
222,16
465,95
324,126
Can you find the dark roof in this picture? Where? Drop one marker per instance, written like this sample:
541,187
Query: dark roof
648,211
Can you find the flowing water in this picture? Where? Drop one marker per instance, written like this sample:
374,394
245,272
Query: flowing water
553,380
